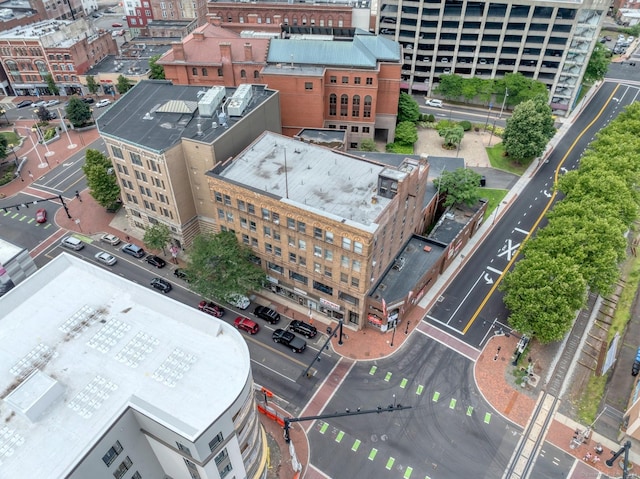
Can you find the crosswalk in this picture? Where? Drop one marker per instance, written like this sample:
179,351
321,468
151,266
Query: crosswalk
26,218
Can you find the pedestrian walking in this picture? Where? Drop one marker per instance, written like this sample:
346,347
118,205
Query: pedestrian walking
30,174
78,196
127,238
587,457
595,459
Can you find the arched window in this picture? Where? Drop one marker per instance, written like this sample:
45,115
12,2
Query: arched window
241,18
330,22
313,20
367,107
333,100
285,20
12,66
344,105
295,19
304,19
194,71
41,66
205,72
340,22
267,19
322,21
355,109
256,74
243,74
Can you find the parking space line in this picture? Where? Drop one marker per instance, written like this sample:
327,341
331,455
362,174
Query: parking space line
407,472
356,445
419,389
436,396
487,417
403,383
373,370
388,377
339,436
324,428
372,454
452,403
390,463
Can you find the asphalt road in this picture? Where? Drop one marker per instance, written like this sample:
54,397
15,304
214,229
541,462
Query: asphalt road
450,431
19,226
472,307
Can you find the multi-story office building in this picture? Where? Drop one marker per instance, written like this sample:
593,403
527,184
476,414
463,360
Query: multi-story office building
104,378
63,49
162,138
546,41
344,78
323,224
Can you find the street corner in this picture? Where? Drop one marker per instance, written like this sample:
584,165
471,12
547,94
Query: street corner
501,382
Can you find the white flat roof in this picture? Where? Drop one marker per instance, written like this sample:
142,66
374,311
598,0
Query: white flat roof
319,179
110,343
8,251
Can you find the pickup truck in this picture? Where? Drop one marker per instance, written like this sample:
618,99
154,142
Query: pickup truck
290,340
246,324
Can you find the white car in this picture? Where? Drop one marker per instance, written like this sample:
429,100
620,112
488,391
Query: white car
433,102
238,300
105,258
102,103
113,240
52,103
38,104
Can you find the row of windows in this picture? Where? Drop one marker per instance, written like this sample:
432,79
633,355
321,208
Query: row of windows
354,129
148,204
356,80
355,105
63,66
136,160
239,18
59,57
22,52
204,72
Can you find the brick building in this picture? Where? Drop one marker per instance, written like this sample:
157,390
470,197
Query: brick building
346,78
61,48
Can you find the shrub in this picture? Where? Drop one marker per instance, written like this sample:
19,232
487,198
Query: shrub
431,118
9,175
49,134
466,125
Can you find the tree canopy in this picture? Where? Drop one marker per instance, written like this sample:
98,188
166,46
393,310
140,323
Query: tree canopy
461,186
92,84
452,135
528,130
408,108
4,147
103,184
123,84
157,237
78,112
406,133
51,84
598,64
219,265
157,71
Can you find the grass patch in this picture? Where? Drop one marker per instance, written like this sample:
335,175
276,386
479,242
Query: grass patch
493,197
583,91
498,160
399,148
12,138
630,272
590,400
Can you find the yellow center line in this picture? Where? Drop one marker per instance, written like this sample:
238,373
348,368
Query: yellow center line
544,212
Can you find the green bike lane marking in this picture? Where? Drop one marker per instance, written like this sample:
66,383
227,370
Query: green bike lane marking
403,383
407,472
390,463
452,403
419,389
469,410
436,396
324,428
373,370
356,445
387,378
372,454
339,436
487,417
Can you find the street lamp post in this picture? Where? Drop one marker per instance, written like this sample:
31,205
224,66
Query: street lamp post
71,146
4,112
506,95
41,164
41,134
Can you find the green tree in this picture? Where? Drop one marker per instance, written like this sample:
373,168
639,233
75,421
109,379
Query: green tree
528,130
78,112
450,86
408,109
368,145
460,186
598,64
406,133
543,294
520,89
51,84
452,135
4,147
43,114
157,237
219,265
92,84
103,184
157,71
123,84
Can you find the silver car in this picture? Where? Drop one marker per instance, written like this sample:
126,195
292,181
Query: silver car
113,240
105,258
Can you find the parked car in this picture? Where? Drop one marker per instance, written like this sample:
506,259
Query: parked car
102,103
156,261
52,103
24,104
113,240
290,340
105,258
306,329
433,102
245,324
38,104
72,242
238,300
161,285
116,25
211,308
268,314
41,215
88,100
133,250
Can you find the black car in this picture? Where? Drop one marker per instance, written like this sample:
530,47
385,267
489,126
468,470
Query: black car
180,274
156,261
24,104
268,314
635,369
161,285
88,100
290,340
306,329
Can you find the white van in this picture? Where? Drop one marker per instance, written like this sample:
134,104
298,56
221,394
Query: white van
433,102
72,243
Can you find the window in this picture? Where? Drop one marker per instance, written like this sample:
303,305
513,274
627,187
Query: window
123,468
136,475
356,80
183,448
243,222
317,268
267,231
328,255
268,248
346,244
328,237
356,265
229,216
194,71
243,74
355,282
225,470
302,228
344,105
277,250
293,258
135,158
193,469
344,261
302,245
291,223
344,277
241,205
220,72
205,72
317,251
256,74
220,213
117,152
369,80
254,243
252,225
345,80
275,267
327,272
308,85
112,453
251,209
227,200
323,287
302,261
355,106
366,113
333,79
354,129
317,233
245,239
213,444
333,100
357,247
298,277
291,240
275,217
365,129
276,235
221,456
266,215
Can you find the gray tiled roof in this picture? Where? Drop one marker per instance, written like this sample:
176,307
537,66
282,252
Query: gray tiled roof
365,51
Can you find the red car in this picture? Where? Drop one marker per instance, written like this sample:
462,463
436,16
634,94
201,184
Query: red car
246,324
211,308
116,25
41,215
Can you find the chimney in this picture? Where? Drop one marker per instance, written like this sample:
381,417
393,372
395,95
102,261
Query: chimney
248,54
225,52
198,36
178,51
